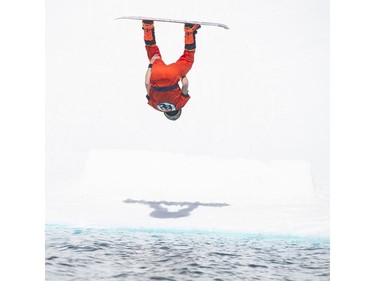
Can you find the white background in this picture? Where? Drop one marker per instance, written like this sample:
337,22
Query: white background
259,90
22,142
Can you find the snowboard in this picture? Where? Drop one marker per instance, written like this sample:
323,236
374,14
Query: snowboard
173,21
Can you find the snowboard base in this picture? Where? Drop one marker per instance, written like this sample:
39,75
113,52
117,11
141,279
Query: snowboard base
174,21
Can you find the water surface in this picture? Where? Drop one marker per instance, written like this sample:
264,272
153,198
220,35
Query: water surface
118,254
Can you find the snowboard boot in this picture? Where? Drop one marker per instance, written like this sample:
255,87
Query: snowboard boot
149,32
190,31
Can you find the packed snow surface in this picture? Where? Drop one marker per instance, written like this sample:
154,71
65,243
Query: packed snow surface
137,189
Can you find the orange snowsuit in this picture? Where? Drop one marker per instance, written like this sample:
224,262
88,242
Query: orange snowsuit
165,93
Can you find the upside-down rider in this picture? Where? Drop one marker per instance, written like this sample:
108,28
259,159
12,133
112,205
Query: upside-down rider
162,81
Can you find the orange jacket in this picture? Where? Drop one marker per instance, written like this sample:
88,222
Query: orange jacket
165,93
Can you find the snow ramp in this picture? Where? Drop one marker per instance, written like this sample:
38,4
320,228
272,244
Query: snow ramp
160,190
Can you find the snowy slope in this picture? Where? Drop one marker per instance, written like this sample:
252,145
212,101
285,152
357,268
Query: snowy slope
132,189
260,91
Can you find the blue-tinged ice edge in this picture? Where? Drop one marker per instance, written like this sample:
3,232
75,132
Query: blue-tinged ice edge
229,234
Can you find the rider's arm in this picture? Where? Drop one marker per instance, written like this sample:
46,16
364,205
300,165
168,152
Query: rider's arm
185,85
147,79
148,73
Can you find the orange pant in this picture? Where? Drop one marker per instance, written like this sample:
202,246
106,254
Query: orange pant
166,75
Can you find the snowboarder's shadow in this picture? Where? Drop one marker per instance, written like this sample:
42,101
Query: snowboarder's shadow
161,210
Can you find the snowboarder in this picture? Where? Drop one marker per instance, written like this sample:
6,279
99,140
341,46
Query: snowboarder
161,81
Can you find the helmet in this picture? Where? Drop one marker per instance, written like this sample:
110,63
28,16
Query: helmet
173,115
